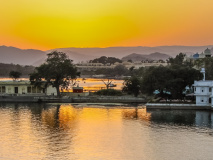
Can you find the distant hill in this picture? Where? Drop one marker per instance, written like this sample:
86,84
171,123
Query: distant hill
20,56
37,57
120,52
75,56
158,56
5,69
140,57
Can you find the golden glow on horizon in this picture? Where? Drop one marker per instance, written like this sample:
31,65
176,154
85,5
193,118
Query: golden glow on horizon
68,23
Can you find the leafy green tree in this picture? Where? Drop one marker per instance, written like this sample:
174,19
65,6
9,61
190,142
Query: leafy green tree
199,63
112,72
106,71
137,72
109,92
105,60
120,70
155,78
14,74
171,78
58,71
178,60
107,83
208,64
132,86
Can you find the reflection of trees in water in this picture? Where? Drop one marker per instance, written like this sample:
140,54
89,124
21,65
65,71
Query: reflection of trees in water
183,117
20,112
173,117
54,122
68,116
177,117
60,127
49,117
135,113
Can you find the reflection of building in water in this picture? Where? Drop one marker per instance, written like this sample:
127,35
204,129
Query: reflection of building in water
204,118
136,114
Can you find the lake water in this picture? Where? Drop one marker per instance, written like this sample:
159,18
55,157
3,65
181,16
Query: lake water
95,84
89,84
103,132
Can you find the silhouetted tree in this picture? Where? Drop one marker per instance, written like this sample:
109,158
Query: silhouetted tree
105,60
14,74
171,78
58,71
178,60
132,86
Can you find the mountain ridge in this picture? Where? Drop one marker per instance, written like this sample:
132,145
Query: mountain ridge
35,57
152,56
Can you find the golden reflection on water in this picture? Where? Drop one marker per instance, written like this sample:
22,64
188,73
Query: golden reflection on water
136,114
78,132
93,84
49,117
84,131
67,117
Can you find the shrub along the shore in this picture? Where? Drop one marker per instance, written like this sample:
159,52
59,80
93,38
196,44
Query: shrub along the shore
109,92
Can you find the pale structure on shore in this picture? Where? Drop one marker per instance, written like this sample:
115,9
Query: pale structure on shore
203,91
21,88
128,65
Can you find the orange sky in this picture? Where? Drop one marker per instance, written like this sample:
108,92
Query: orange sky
49,24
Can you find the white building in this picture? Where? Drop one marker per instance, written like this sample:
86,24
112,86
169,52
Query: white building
203,91
24,88
128,65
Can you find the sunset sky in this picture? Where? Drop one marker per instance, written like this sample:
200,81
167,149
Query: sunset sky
49,24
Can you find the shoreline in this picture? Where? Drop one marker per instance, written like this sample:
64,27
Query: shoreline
102,99
66,99
177,106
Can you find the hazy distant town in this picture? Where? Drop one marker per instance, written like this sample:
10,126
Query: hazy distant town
94,62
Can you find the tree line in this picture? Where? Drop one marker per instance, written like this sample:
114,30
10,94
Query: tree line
59,71
106,60
170,81
5,69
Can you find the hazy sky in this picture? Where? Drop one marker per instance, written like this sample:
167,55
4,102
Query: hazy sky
48,24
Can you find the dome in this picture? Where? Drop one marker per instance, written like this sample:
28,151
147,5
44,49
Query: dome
196,55
207,51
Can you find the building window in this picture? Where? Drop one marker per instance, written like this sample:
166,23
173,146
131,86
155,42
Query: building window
29,90
34,90
39,90
3,89
210,89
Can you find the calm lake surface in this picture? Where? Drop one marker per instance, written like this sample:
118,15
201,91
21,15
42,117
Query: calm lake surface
103,132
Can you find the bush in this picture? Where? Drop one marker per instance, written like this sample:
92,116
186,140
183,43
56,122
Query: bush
109,92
